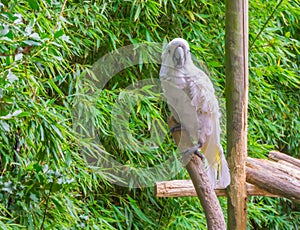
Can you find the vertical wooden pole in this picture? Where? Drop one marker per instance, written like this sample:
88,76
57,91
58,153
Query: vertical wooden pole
236,103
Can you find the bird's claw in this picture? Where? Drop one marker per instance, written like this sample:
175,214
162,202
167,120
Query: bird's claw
188,153
197,152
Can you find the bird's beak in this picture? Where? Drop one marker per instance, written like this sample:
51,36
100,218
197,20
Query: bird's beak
179,57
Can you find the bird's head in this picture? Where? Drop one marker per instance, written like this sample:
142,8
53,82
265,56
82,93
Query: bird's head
175,57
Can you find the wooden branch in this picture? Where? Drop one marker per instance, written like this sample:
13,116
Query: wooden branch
275,167
204,190
267,178
282,162
182,188
273,179
276,156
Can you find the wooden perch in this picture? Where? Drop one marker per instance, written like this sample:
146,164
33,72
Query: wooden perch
278,156
276,167
180,188
274,178
280,178
207,196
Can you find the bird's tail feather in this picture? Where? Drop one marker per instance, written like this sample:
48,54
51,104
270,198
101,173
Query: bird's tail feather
224,178
217,164
211,173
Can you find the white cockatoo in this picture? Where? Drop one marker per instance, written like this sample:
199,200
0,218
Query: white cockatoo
191,98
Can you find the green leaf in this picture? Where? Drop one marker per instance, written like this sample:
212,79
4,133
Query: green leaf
32,43
34,4
5,126
11,77
34,197
8,187
11,115
137,13
58,33
57,131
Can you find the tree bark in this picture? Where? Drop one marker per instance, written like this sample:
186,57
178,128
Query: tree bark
267,178
274,167
276,156
207,196
273,179
184,188
236,51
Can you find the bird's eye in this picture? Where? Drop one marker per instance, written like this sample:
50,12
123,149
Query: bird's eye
169,51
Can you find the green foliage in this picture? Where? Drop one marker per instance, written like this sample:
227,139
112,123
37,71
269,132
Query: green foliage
46,50
274,77
281,217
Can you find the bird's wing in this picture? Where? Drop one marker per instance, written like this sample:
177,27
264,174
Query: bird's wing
203,98
205,103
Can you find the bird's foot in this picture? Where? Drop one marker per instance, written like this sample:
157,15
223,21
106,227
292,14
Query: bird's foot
188,153
197,152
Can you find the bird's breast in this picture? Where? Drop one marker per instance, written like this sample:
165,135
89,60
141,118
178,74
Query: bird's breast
180,82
